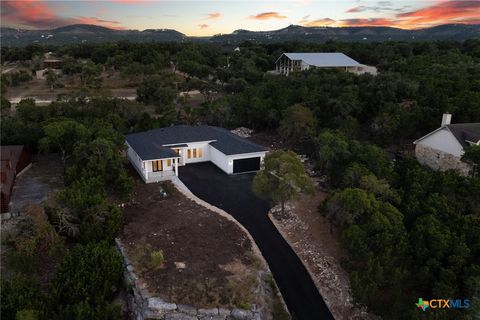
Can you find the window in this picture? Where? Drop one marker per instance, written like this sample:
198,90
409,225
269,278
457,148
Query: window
189,153
157,165
169,162
200,154
194,153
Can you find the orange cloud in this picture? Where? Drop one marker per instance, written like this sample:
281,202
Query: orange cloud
267,15
38,15
442,12
203,26
128,1
214,15
318,23
365,22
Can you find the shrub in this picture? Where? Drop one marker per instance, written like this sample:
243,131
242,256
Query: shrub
157,258
34,239
27,315
85,281
19,293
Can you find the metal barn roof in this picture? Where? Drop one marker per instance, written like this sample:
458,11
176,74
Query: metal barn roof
323,59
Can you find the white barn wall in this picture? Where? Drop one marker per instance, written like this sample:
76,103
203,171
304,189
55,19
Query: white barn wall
445,141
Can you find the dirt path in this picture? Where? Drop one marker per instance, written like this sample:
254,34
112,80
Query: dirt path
314,240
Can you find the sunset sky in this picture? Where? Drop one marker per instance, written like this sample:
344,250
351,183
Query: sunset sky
200,18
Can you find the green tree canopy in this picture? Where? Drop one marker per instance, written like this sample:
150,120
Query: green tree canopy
281,178
62,136
298,125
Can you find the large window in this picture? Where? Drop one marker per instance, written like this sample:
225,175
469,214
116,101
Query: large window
200,153
189,153
194,153
157,165
169,162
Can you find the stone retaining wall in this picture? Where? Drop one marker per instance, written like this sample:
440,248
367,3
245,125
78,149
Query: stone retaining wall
439,160
143,305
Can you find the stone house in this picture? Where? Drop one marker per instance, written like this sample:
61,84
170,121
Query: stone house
443,148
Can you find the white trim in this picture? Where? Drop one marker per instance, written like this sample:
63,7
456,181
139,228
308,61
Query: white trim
177,143
434,131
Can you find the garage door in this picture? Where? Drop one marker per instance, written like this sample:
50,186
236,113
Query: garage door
246,165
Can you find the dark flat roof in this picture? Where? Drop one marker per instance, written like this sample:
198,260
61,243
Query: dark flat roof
150,144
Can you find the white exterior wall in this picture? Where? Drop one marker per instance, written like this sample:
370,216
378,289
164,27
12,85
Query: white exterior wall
195,145
443,140
225,162
209,153
305,66
243,156
137,162
220,160
148,163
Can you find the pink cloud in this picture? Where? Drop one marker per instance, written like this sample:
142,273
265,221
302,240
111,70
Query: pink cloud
203,26
214,15
267,15
38,14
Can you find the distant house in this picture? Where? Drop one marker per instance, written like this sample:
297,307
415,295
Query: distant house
15,159
50,61
157,154
41,74
299,61
443,148
53,63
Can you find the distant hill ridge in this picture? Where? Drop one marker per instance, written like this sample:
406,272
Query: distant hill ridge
79,33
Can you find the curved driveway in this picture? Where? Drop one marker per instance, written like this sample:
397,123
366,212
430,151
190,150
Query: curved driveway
233,194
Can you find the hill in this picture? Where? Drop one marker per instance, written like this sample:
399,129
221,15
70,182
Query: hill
81,33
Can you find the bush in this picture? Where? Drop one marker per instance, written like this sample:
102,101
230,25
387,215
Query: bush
157,258
35,238
85,281
103,222
27,315
19,293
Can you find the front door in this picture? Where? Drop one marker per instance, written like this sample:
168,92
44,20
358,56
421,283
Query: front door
157,165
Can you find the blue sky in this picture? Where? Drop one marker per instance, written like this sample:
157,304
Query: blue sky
211,17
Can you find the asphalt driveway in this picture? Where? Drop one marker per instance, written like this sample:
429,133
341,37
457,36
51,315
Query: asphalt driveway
233,194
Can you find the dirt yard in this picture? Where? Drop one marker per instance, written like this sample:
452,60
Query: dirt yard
208,260
314,240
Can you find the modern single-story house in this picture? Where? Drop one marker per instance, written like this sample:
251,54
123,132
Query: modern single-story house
15,159
157,154
443,148
300,61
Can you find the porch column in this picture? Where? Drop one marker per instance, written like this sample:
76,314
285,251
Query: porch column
176,166
146,170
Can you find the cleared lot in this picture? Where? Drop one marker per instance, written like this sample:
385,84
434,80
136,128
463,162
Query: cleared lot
208,259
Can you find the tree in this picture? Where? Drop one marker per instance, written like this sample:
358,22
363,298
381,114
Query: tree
298,125
472,155
89,75
156,90
88,277
18,294
282,178
62,136
51,78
